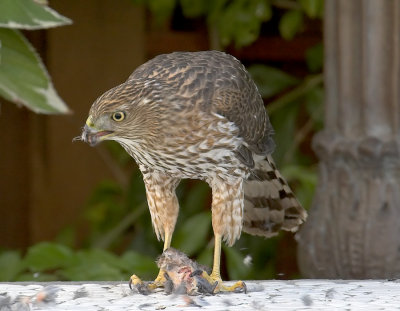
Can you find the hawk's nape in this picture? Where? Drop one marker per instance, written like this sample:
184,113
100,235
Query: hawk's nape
199,115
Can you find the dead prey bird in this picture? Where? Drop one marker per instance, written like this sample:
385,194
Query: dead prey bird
183,275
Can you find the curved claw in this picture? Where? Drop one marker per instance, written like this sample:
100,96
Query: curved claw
134,280
146,287
239,286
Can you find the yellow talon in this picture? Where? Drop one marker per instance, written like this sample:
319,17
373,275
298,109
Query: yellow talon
220,287
239,285
159,281
215,275
135,281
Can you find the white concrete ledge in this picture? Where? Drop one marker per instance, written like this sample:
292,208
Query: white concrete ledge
262,295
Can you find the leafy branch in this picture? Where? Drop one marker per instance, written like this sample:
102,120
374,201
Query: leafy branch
24,79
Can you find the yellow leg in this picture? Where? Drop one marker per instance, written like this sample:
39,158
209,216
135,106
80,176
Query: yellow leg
215,275
167,240
160,279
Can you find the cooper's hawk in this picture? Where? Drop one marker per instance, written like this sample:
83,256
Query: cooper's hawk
199,115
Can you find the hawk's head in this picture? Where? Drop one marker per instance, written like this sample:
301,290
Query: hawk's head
121,114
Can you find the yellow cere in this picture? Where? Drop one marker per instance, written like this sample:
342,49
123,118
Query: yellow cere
89,122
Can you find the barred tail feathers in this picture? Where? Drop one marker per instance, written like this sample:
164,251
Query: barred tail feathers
269,203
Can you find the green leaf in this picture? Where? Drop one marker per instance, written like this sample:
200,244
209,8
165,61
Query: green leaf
241,21
27,14
271,81
23,77
11,265
94,264
97,255
315,57
290,24
48,256
99,271
191,237
313,8
262,9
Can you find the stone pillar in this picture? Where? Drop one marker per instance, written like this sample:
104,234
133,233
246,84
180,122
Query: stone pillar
353,230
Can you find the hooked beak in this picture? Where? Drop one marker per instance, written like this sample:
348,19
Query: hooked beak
93,136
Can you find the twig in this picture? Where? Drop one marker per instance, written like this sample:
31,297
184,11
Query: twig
106,240
119,174
298,138
213,37
304,87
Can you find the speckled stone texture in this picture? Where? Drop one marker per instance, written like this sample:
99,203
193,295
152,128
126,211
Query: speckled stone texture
262,295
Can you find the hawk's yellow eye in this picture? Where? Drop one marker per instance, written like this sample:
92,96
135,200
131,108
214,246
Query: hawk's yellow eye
118,116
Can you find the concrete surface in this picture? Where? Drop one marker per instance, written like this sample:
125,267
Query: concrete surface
262,295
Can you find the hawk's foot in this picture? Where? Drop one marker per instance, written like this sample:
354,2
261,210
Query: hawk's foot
213,278
147,287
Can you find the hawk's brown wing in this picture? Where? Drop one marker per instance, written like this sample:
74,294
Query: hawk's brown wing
217,83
